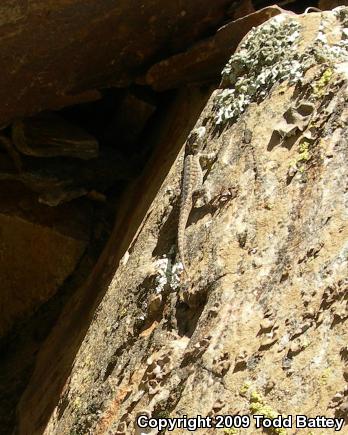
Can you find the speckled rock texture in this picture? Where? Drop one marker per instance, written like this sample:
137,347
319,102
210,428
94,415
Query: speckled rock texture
261,325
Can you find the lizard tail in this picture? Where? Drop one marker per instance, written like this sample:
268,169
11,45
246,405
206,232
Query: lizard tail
181,249
181,244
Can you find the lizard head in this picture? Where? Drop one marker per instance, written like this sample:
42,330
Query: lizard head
195,140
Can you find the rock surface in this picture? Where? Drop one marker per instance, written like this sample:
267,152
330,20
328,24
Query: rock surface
48,135
39,249
55,54
60,348
203,61
260,328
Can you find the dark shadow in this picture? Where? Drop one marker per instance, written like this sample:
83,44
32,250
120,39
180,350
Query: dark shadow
286,142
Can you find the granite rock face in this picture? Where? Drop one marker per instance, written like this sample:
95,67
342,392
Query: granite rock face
261,326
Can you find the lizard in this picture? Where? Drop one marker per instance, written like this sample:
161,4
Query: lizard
191,184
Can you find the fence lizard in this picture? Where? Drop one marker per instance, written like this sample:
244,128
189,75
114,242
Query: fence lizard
192,184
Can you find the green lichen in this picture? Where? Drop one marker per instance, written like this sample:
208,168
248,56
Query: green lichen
163,414
259,407
230,431
306,343
319,85
302,157
325,376
304,154
255,397
244,388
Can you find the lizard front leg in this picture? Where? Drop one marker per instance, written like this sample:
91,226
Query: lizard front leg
201,194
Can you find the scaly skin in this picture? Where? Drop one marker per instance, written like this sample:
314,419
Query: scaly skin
191,181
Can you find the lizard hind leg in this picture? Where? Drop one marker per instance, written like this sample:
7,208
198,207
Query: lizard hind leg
201,196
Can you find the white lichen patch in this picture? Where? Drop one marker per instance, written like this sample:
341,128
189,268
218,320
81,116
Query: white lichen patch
162,278
329,53
167,274
176,273
267,55
270,54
